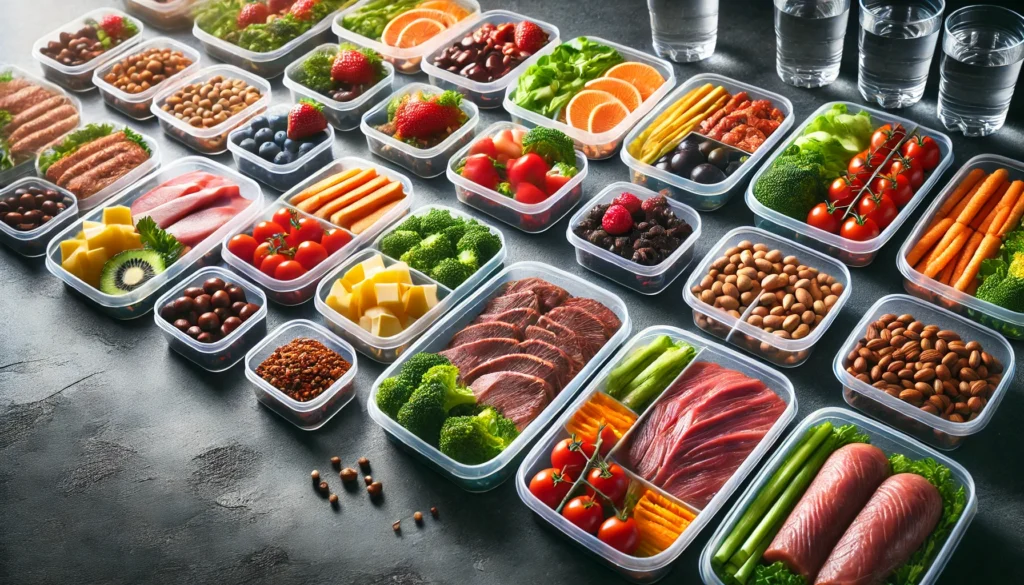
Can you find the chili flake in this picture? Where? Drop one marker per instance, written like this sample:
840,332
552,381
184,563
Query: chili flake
303,368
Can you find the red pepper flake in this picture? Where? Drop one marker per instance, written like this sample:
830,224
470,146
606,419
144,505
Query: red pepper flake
303,368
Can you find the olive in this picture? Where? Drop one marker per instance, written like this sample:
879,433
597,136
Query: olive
691,142
719,157
706,147
683,162
707,174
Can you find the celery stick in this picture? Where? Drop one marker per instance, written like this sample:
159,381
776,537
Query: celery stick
635,363
640,397
657,367
743,574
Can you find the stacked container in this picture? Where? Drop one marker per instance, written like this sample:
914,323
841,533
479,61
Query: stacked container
79,77
33,242
137,105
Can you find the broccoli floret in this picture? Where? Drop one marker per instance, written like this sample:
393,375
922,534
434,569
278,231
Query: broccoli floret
450,272
552,145
454,233
466,410
428,253
448,376
792,185
428,406
481,242
437,220
393,393
399,242
470,260
476,439
1005,286
414,368
411,224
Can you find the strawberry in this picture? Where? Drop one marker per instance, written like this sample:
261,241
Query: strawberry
629,201
422,119
279,6
306,118
653,203
113,25
529,37
254,13
528,193
484,146
617,220
303,9
355,67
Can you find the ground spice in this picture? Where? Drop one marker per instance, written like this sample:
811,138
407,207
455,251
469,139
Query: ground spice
303,368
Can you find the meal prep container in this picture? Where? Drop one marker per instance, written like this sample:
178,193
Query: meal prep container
342,115
487,476
225,353
170,15
850,252
139,301
490,94
1003,320
700,196
33,242
884,438
603,145
313,414
282,177
212,140
929,428
787,353
532,218
388,349
79,77
650,569
137,105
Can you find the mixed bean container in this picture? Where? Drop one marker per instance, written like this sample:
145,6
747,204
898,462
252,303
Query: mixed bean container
33,242
80,77
137,105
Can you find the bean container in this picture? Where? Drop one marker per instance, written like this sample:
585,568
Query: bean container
137,105
275,176
79,77
33,242
169,15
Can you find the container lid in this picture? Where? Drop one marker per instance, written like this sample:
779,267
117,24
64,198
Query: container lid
155,43
228,72
372,117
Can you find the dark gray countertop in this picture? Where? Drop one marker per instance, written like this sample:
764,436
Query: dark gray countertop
121,462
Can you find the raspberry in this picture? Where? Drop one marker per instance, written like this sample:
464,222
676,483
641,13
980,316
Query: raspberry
629,201
617,220
654,203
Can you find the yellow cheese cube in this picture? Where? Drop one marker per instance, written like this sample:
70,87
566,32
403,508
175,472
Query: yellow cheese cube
366,322
389,297
130,239
73,263
342,302
372,265
104,237
394,274
69,247
117,215
96,257
385,325
364,296
419,299
353,276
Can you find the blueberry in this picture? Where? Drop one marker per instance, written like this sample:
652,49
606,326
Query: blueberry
280,136
247,132
250,145
258,122
268,150
291,145
284,157
306,147
264,135
278,122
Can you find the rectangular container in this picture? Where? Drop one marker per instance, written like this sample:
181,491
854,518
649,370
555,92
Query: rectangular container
700,196
281,177
487,476
137,105
33,242
169,15
79,77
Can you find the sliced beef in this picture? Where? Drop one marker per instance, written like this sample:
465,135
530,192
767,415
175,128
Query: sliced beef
564,365
534,332
567,338
521,318
598,310
521,363
470,355
488,330
549,295
519,397
582,323
571,349
520,300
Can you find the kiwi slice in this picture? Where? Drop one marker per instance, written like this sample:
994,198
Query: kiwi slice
129,270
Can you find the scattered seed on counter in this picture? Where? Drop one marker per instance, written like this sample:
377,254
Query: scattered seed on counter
315,475
336,462
364,464
434,512
396,526
141,71
30,207
418,517
368,479
324,487
303,368
207,104
375,489
348,475
333,498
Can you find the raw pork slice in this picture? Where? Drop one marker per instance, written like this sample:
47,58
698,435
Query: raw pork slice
564,365
519,397
521,318
489,330
520,300
549,295
521,363
606,316
167,214
470,355
174,188
200,225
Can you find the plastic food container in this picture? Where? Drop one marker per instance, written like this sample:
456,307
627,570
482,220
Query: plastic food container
603,145
33,243
313,414
532,218
212,140
884,438
850,252
650,569
79,77
138,302
787,353
487,476
342,115
929,428
699,196
282,177
137,105
225,353
388,349
168,15
425,162
490,94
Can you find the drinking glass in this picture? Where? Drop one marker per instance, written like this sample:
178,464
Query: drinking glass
684,30
897,41
809,40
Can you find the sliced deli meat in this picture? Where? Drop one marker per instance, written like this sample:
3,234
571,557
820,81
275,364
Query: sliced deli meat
548,295
519,397
488,330
196,227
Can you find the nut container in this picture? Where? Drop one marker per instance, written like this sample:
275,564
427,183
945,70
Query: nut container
79,77
281,177
33,242
137,105
169,15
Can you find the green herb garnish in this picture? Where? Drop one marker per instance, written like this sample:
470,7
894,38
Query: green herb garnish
159,240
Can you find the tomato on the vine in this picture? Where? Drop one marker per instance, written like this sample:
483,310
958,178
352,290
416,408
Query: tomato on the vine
611,480
903,166
551,486
243,246
265,230
841,192
284,217
334,240
923,149
309,254
269,264
622,535
826,216
878,207
887,137
859,228
897,187
569,455
262,251
584,512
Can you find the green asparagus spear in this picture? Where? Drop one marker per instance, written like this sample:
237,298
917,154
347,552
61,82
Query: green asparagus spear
635,363
657,377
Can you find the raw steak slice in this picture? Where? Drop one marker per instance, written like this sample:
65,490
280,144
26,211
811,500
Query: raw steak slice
167,214
470,355
519,397
520,300
521,363
198,226
549,295
489,330
566,338
521,318
547,352
606,316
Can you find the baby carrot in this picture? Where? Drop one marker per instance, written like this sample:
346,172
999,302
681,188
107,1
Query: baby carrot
973,178
928,240
946,256
988,248
988,188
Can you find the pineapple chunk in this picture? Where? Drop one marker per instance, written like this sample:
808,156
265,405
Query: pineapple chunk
117,215
419,299
96,257
73,263
69,247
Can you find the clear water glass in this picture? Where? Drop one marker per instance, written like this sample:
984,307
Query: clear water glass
809,40
684,30
897,41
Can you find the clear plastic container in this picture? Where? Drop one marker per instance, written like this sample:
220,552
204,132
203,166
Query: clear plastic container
787,353
79,77
487,476
282,177
532,218
648,280
1005,321
850,252
33,242
137,105
212,140
603,145
138,302
650,569
388,349
490,94
225,353
882,437
926,427
313,414
342,115
167,15
699,196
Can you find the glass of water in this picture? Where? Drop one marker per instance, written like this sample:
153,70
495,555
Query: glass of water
897,41
809,40
684,30
982,50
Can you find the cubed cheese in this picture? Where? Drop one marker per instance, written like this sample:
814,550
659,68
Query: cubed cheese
419,299
372,265
117,215
385,325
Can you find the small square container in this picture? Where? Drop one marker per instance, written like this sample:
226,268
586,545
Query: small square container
603,145
139,301
281,177
33,243
342,115
700,196
212,140
225,353
79,77
850,252
926,427
532,218
313,414
166,15
648,280
886,439
787,353
489,475
137,105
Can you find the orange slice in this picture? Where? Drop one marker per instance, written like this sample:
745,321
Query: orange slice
642,76
452,8
577,113
397,24
606,116
623,90
419,31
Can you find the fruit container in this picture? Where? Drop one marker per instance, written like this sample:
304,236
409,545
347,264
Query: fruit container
212,140
651,569
648,280
490,94
388,349
850,252
701,196
489,475
881,436
167,15
532,218
139,301
137,105
1009,323
343,116
225,353
926,427
313,414
424,162
281,177
79,77
602,145
33,242
787,353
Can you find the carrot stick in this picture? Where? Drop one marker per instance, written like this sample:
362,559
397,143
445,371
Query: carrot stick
951,234
973,288
947,273
1001,214
989,247
946,256
1016,212
984,218
973,178
966,255
988,188
928,240
963,202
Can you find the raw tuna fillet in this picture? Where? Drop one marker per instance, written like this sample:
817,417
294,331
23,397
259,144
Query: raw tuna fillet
521,318
167,214
521,363
519,397
175,188
606,316
470,355
549,295
200,225
548,352
489,330
582,323
520,300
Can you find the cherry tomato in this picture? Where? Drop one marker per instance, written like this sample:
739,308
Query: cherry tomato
309,254
841,192
484,145
267,229
608,440
584,512
826,216
284,217
550,486
262,251
305,229
858,166
897,187
289,270
903,166
878,207
334,240
610,480
622,535
887,137
924,150
859,228
270,263
570,456
243,246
